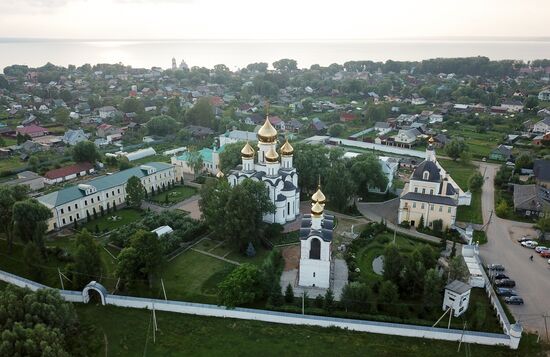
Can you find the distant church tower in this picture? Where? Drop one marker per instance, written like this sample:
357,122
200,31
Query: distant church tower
174,65
316,242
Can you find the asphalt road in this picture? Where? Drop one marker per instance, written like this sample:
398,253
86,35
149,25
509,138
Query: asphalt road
532,277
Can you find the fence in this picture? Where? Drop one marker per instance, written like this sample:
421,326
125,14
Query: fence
511,339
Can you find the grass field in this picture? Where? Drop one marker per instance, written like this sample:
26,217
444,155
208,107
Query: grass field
105,223
479,144
176,194
127,332
461,174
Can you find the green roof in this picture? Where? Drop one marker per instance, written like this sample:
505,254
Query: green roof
73,193
205,153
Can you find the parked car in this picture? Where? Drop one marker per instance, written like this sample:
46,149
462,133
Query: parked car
529,244
524,239
514,300
545,253
495,267
499,275
505,283
506,292
540,248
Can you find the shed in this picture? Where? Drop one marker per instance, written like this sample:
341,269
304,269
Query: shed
162,230
457,297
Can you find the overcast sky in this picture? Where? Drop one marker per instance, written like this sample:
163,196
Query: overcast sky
277,19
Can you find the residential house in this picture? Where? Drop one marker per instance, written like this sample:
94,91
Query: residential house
542,126
277,122
440,140
27,178
107,112
104,130
198,131
512,106
406,137
541,139
435,118
541,171
73,137
294,125
346,117
68,173
32,130
418,101
544,95
501,153
101,194
531,200
318,126
235,136
382,127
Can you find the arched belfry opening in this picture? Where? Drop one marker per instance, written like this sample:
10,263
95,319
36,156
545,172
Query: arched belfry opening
315,249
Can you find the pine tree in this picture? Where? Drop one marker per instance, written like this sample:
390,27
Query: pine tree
276,297
289,294
328,301
421,222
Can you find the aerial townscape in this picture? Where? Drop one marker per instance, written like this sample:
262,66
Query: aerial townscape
358,207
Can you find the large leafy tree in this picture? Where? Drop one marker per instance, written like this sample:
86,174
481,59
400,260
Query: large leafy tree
141,259
367,172
195,161
339,186
312,162
85,151
214,196
132,105
432,290
285,65
455,148
242,286
393,263
9,195
39,324
162,125
86,265
30,218
231,156
201,113
135,192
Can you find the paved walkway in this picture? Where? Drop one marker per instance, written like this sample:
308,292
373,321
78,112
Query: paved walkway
190,205
532,277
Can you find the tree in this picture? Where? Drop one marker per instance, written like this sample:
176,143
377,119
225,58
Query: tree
355,297
524,161
132,105
454,148
475,183
393,263
275,296
257,67
285,65
502,209
339,187
39,324
367,172
328,301
161,125
531,102
9,195
457,269
311,161
432,290
231,156
421,222
61,115
201,113
141,259
213,201
30,218
195,161
85,151
336,130
86,265
33,163
242,286
135,192
289,294
388,293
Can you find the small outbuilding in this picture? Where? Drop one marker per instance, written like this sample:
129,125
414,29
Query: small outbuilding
162,230
457,297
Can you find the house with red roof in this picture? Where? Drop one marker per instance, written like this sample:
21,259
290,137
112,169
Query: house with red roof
345,117
32,130
216,101
68,173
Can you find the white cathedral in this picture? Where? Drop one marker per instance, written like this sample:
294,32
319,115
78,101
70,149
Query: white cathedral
274,170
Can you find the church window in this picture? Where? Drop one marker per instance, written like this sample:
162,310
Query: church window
62,211
314,275
63,220
449,210
423,191
416,189
288,208
431,192
426,175
315,249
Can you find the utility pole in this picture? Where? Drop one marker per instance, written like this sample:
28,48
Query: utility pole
546,324
303,302
163,290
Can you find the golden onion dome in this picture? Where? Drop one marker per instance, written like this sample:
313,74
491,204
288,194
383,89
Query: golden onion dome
267,133
220,175
431,140
287,149
247,151
271,155
317,209
318,196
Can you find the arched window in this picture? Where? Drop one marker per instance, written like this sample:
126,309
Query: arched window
426,175
315,249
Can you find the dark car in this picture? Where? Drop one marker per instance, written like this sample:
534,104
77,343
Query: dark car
514,300
495,267
499,275
506,292
505,283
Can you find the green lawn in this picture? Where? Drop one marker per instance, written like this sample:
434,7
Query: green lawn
11,163
176,194
106,223
479,144
127,332
461,175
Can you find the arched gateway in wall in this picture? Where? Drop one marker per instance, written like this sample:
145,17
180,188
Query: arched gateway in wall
100,289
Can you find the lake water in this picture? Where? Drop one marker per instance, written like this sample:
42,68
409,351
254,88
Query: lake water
237,54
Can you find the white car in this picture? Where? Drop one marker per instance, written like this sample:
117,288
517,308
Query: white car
529,244
539,249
